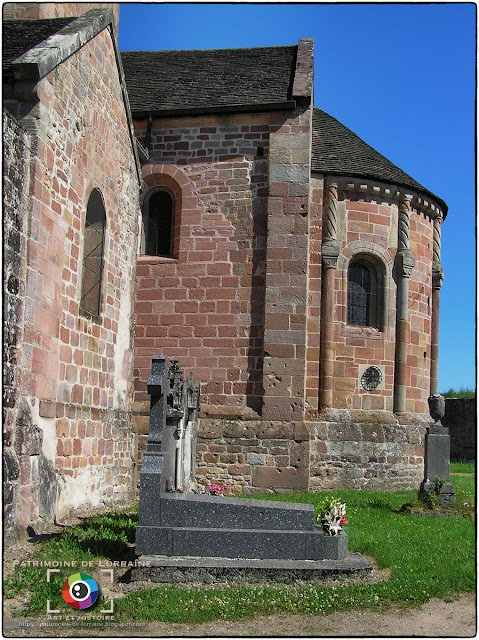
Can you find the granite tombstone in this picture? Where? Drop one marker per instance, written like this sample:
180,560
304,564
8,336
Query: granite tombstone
182,529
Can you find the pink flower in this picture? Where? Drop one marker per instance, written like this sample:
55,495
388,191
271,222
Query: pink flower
215,490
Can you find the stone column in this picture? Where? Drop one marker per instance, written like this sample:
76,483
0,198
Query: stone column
329,256
437,278
404,264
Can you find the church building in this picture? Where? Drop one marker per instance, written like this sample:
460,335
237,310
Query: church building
198,205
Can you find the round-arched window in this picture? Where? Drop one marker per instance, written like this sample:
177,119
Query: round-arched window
158,222
362,294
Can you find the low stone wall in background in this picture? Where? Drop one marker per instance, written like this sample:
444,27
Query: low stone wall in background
358,449
251,456
460,419
343,449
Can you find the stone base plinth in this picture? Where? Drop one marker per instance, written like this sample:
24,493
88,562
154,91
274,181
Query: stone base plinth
211,570
445,498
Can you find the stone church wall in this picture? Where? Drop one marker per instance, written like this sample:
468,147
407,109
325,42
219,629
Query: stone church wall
247,455
287,258
74,429
204,306
357,441
16,180
182,310
353,449
367,226
358,449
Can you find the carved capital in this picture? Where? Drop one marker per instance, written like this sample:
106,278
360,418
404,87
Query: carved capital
405,263
332,182
330,254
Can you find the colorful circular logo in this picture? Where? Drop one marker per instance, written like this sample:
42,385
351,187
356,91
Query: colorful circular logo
80,591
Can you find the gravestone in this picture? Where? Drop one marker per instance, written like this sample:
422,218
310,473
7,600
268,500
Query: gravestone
182,407
436,484
185,531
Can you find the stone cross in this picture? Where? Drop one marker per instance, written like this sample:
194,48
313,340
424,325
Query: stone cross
169,460
182,408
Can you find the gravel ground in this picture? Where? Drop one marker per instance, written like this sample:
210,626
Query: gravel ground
435,619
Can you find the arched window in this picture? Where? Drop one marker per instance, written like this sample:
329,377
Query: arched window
93,254
158,223
362,294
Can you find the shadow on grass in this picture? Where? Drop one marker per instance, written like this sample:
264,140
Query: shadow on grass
108,536
381,505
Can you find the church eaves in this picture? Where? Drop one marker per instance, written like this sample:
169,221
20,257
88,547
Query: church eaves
209,81
336,150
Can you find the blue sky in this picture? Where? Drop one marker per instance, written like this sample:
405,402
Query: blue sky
401,76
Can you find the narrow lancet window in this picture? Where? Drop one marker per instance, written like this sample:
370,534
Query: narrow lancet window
93,243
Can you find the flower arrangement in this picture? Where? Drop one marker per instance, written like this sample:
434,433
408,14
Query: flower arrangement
215,490
332,516
212,490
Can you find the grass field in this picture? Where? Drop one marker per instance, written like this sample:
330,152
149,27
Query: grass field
427,556
462,467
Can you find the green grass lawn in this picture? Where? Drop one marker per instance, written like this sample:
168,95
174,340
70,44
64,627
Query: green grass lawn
427,556
462,467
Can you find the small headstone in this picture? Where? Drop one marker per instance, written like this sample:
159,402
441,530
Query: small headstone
436,484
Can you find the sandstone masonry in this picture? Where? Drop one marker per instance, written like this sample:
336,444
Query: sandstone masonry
242,231
69,422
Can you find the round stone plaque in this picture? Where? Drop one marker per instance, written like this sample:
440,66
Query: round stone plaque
371,378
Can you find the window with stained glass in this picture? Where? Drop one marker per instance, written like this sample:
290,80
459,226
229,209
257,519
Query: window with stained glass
360,295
